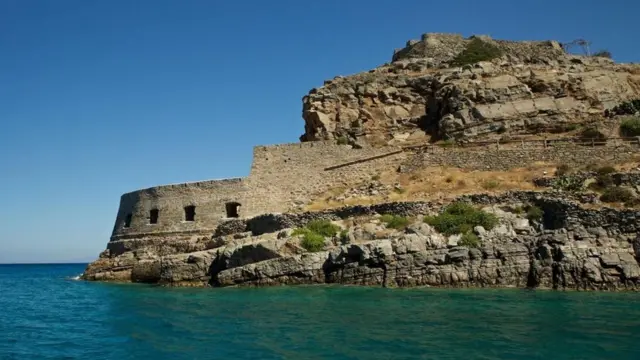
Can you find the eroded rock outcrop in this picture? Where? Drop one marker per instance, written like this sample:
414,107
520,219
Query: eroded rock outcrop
569,247
532,87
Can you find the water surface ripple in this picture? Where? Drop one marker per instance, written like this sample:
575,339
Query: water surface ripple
46,315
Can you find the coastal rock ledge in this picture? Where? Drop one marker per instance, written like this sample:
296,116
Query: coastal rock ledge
566,245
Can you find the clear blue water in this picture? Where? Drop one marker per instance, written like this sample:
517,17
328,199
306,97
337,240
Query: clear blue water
45,315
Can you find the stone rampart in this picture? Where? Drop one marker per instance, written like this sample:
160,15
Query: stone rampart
512,158
285,177
443,47
281,178
209,199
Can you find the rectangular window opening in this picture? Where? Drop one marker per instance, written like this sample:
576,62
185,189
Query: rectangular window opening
190,213
153,216
127,220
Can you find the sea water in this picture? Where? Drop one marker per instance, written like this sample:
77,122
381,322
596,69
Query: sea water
46,314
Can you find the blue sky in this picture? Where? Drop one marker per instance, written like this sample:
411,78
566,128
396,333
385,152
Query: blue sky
98,98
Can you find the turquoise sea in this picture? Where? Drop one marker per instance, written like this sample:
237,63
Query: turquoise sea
44,314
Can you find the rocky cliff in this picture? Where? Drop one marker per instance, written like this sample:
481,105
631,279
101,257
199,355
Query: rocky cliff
436,88
564,246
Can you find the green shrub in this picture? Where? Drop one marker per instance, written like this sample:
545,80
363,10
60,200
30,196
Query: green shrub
616,194
460,218
314,233
375,177
568,183
534,213
342,140
518,210
626,108
323,227
477,50
312,242
469,239
563,169
630,126
394,221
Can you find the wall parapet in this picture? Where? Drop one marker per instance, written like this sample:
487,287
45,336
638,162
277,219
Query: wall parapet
224,181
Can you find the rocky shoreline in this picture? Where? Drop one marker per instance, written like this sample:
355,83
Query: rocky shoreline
569,246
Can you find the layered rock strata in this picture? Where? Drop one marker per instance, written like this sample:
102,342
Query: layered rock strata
571,247
533,87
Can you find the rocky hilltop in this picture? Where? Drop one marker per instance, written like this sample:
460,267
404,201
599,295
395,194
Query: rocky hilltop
445,86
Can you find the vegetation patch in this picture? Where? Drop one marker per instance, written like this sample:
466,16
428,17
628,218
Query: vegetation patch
342,140
490,184
477,50
460,218
603,181
344,237
534,213
448,143
394,221
592,133
568,183
312,242
616,194
469,239
323,227
314,234
626,108
603,53
630,126
605,170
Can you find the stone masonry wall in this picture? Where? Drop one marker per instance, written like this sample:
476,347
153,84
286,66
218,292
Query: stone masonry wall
208,197
282,176
518,158
285,177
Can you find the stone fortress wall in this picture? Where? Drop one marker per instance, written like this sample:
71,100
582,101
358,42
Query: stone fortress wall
281,177
286,176
443,47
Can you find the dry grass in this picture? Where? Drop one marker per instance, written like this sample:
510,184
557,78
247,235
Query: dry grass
444,183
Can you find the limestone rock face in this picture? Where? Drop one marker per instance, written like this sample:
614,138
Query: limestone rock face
533,87
580,248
